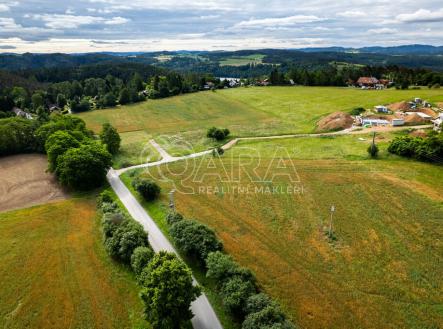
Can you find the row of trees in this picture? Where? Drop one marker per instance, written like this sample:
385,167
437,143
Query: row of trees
429,149
331,75
236,285
166,285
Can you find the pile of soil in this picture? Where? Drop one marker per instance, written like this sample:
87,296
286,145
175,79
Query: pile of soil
401,106
414,119
418,133
440,105
428,111
335,121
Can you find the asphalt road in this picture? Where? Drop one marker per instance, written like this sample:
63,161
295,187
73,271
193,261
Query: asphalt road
204,315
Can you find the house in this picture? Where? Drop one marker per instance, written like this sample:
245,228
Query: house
417,100
53,108
438,123
20,113
292,82
381,109
398,122
367,82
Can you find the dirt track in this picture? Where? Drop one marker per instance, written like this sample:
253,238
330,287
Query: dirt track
24,182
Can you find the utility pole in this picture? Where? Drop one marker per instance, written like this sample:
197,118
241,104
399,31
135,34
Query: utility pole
330,220
171,200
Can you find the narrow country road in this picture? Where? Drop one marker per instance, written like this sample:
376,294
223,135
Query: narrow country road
205,317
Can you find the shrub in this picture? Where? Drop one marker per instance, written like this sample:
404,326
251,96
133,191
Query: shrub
124,239
235,292
104,197
195,239
257,302
108,207
217,134
222,267
167,291
140,259
357,111
173,217
148,189
269,317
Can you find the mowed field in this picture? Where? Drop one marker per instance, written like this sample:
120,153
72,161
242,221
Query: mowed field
24,182
180,122
385,270
55,272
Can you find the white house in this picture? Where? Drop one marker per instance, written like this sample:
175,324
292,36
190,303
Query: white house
20,113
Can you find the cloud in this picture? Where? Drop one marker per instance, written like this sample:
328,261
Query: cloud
278,22
6,47
352,14
4,7
383,30
57,21
422,16
117,21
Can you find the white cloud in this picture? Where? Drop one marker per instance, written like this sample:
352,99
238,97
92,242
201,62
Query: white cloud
383,30
352,14
57,21
4,7
278,22
422,16
69,11
117,21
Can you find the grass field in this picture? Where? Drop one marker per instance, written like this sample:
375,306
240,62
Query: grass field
55,272
385,269
253,59
181,122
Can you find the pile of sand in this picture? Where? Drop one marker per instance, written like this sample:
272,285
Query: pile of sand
440,105
401,106
335,121
414,119
428,111
418,133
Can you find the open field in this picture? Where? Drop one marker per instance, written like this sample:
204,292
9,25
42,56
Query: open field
385,269
55,272
254,111
253,59
135,149
24,182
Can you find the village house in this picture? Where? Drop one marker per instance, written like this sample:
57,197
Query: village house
368,82
20,113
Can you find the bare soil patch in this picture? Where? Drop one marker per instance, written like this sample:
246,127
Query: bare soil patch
335,121
400,106
24,182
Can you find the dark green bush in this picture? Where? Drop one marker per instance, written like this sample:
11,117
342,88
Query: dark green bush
195,239
173,217
140,259
149,190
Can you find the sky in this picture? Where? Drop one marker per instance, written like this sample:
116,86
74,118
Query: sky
77,26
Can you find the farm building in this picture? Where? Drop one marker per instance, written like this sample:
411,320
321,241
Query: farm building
381,109
367,82
398,122
374,122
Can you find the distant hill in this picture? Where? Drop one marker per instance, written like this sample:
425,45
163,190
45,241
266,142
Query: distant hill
397,50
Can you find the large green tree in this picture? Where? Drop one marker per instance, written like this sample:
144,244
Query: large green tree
167,291
85,167
57,144
110,137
